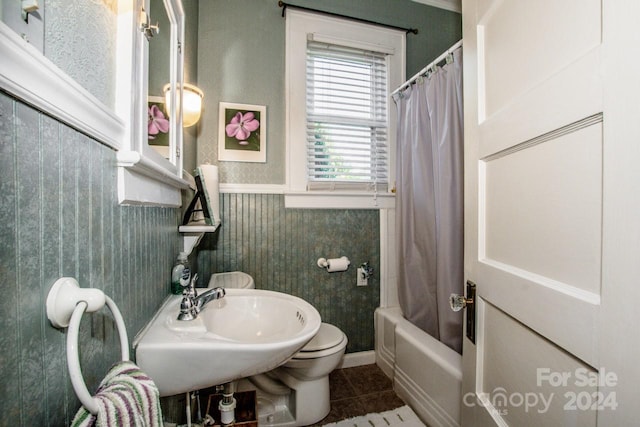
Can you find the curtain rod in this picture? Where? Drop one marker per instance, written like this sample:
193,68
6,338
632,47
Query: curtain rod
425,69
284,7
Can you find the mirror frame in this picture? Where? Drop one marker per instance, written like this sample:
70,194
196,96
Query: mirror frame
144,176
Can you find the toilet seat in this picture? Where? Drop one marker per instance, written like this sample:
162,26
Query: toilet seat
328,340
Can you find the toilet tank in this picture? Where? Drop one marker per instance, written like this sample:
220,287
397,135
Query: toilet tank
232,279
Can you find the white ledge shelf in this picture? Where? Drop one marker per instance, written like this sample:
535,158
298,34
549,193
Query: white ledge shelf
193,232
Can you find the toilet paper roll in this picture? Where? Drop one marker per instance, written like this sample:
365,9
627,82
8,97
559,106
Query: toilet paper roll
338,264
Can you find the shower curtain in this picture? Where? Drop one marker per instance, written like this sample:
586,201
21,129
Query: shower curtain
429,201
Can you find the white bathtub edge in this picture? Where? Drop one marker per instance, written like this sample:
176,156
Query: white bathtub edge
426,373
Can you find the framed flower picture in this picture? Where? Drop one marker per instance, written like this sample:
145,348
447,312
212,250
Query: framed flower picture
157,121
158,126
242,135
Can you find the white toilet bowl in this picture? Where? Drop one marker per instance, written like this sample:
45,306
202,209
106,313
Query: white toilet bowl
301,385
298,391
307,373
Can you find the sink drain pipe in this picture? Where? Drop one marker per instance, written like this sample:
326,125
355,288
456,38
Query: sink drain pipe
227,405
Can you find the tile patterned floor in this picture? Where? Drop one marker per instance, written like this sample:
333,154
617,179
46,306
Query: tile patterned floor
358,391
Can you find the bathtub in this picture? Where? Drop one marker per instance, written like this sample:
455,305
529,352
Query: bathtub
426,374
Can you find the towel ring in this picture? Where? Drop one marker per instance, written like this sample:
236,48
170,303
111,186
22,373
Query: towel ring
66,303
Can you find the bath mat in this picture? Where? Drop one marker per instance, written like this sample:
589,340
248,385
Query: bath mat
402,416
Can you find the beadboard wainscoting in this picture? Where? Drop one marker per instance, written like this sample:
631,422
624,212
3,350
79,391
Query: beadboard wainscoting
280,247
59,216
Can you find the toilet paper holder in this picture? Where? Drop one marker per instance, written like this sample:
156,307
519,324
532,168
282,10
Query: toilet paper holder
334,264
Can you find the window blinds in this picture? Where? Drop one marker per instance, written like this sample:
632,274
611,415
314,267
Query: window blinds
346,118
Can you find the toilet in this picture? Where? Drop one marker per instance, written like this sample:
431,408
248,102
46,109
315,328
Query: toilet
307,374
296,393
233,280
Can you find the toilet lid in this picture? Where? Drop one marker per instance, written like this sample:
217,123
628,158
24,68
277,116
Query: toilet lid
328,336
231,280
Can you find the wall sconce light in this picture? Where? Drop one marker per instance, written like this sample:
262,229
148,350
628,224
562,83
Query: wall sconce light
192,98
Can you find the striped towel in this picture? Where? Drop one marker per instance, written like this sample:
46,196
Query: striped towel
125,397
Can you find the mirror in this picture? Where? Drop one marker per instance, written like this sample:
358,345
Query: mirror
145,176
159,75
164,38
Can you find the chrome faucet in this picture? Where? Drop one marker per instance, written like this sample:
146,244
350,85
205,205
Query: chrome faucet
192,303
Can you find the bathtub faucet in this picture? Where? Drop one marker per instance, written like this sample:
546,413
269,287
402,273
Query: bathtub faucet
192,303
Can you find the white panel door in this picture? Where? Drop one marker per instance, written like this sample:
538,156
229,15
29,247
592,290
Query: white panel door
542,193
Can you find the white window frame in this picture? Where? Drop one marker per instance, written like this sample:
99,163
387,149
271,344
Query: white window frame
348,33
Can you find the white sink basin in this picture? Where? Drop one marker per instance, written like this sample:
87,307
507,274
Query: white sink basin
247,332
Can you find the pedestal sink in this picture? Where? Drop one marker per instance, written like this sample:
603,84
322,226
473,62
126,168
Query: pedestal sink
247,332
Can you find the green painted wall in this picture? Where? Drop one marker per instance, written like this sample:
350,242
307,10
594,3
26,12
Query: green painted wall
241,59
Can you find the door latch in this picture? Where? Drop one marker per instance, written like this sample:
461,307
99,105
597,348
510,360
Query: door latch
458,302
145,26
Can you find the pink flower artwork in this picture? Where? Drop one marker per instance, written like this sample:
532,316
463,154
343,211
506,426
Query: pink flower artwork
242,132
241,126
157,122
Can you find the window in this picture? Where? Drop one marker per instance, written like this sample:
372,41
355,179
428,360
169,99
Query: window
346,118
340,127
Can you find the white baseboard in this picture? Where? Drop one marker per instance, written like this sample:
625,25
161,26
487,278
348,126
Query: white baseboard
360,358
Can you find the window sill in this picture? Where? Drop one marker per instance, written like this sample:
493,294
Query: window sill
338,200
